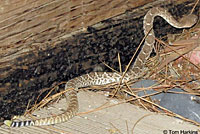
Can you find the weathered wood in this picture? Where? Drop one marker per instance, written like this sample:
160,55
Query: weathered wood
110,119
31,26
27,26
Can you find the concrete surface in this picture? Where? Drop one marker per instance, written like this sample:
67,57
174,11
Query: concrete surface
118,119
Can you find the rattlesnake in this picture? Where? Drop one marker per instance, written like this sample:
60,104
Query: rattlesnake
101,78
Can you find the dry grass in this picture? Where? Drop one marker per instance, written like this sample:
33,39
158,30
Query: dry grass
160,68
162,75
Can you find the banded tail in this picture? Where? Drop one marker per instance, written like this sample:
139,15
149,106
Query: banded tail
10,123
63,117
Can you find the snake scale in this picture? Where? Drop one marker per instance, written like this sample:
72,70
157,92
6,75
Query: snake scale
101,78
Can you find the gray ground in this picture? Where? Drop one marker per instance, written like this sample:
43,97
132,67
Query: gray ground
181,104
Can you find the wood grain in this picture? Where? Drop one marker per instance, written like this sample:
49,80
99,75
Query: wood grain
35,25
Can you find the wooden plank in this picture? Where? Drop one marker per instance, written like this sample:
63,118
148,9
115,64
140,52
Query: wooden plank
23,22
106,120
22,19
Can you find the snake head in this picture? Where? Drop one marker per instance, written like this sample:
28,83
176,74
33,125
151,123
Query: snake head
189,20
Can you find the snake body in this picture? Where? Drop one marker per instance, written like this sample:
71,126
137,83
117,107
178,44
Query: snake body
101,78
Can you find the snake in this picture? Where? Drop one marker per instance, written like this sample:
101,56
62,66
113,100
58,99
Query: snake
135,71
